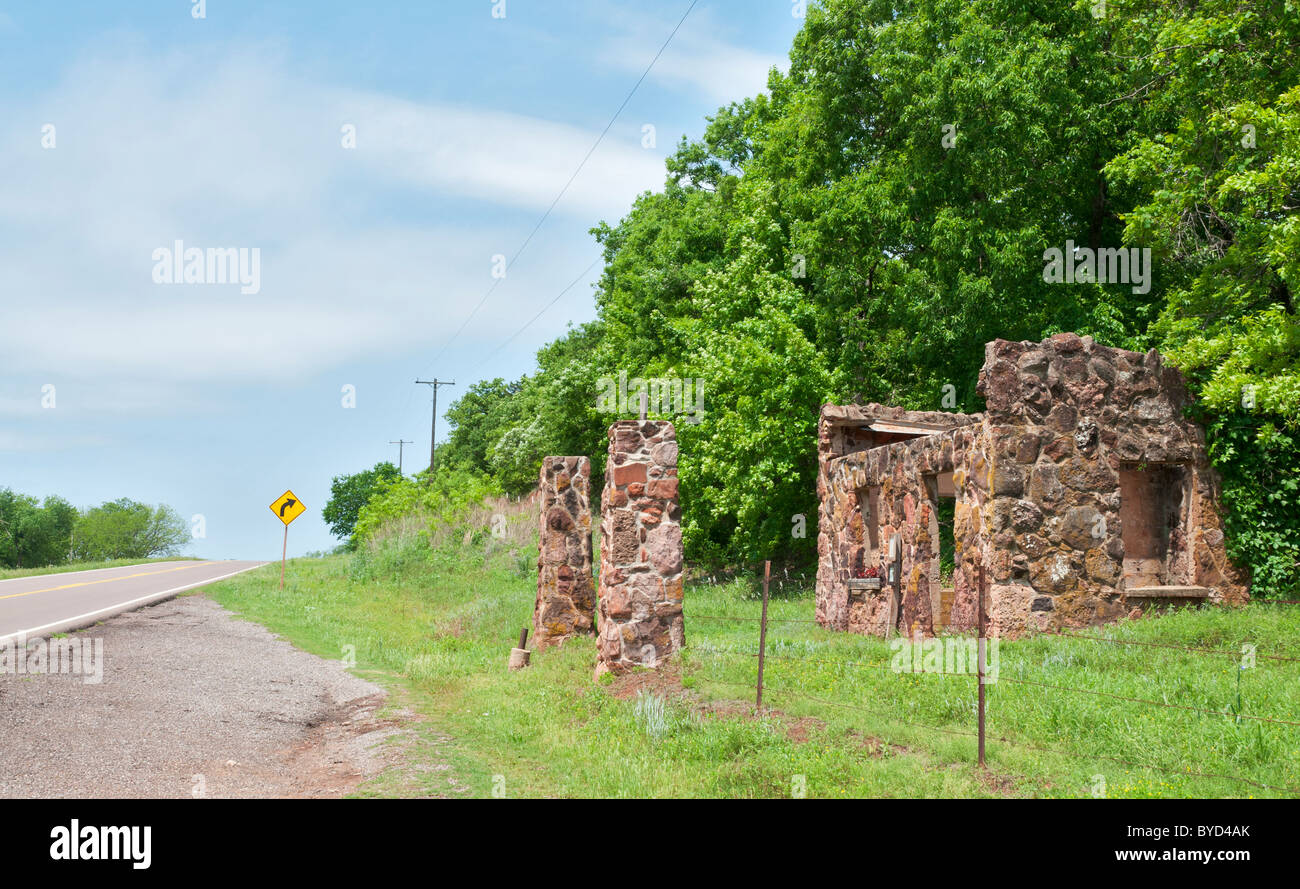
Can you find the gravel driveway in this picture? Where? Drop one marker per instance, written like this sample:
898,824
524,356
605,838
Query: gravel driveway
193,702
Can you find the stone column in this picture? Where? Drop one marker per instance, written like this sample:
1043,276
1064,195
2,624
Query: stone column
639,617
566,599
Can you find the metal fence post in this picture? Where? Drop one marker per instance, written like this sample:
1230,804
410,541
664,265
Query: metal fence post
980,660
762,634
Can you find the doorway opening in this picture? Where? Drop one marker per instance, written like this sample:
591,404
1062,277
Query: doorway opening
942,496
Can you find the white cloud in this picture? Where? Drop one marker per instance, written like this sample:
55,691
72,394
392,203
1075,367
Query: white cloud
358,255
697,58
19,442
496,156
369,251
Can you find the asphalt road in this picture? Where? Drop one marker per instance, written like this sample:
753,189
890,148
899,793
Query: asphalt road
56,603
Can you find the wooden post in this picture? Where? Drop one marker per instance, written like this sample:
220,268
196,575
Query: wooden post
523,637
896,594
284,552
983,650
762,634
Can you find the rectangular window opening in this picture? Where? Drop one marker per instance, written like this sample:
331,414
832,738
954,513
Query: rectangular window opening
1153,512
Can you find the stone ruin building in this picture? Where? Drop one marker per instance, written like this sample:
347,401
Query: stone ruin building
1082,490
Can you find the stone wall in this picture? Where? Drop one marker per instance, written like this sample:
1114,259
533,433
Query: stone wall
903,478
846,523
1072,430
639,615
1076,425
566,597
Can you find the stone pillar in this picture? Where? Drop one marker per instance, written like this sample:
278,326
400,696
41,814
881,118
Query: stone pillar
566,600
639,617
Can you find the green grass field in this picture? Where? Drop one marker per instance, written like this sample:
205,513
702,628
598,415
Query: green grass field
9,573
437,629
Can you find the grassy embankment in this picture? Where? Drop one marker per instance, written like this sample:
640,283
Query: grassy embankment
10,573
435,625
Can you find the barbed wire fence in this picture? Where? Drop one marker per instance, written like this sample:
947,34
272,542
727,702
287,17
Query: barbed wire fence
762,688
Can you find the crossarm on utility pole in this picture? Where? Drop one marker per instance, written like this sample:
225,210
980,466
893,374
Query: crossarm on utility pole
433,426
401,443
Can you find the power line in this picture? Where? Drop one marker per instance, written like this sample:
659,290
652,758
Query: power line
565,189
571,285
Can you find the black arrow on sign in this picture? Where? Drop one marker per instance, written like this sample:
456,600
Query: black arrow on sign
286,505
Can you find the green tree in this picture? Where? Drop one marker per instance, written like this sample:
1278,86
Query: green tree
15,508
1216,163
751,464
125,529
829,241
478,419
349,493
32,533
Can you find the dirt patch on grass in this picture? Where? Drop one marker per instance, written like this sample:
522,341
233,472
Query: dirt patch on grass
1003,785
799,729
875,746
725,709
454,628
666,682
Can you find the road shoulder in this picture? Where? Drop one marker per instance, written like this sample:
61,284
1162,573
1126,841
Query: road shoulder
196,702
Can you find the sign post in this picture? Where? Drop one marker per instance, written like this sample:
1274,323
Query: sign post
286,507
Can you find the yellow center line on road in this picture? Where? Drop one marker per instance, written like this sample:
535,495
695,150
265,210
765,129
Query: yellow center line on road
67,586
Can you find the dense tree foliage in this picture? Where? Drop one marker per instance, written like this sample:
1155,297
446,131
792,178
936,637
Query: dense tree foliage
424,506
35,533
860,230
32,533
125,529
349,493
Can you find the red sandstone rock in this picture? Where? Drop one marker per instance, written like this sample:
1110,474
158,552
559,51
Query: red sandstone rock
629,473
665,488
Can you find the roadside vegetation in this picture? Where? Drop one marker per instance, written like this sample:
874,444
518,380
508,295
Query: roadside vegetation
55,534
10,573
432,611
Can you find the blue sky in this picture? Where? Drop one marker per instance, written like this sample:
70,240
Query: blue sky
227,131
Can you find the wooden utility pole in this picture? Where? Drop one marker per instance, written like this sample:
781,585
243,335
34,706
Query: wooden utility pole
400,443
433,427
